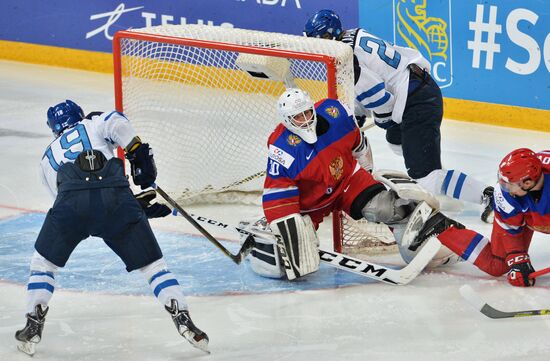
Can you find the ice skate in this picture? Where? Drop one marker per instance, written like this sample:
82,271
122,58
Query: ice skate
31,334
187,328
488,213
435,225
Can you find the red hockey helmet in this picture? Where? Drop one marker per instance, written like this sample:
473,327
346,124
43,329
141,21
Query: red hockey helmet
519,165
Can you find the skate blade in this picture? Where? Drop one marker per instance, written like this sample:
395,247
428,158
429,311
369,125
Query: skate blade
27,347
201,345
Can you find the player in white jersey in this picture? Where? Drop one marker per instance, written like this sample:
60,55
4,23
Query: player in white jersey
93,197
394,83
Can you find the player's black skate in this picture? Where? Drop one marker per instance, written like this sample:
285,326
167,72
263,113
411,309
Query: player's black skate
488,213
187,328
435,225
31,334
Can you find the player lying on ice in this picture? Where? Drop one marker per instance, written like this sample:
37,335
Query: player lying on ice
93,198
319,161
522,206
394,83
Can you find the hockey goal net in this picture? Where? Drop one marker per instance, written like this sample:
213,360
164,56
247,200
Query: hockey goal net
205,98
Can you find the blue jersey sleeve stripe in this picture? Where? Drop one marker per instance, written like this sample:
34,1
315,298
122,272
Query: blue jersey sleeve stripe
280,195
379,102
458,186
472,246
375,89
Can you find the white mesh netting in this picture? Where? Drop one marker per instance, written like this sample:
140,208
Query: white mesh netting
363,238
208,120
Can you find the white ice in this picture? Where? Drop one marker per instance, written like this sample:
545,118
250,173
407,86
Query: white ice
350,320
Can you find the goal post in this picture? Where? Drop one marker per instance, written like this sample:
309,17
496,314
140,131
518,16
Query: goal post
120,36
205,98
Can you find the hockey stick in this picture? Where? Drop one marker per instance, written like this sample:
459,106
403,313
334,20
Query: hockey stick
539,273
238,258
363,268
471,296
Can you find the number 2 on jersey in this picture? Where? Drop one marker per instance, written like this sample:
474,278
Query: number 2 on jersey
66,144
393,62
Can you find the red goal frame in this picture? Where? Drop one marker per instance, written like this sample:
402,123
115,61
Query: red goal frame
329,62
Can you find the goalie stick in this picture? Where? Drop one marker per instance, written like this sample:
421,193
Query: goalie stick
237,258
363,268
472,297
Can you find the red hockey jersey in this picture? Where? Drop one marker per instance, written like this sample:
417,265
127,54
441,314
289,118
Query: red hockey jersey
517,217
302,177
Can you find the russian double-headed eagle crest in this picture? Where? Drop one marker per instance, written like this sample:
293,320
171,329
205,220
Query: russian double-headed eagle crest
336,168
333,112
293,140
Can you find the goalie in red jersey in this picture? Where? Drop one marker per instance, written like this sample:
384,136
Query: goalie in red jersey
318,161
522,206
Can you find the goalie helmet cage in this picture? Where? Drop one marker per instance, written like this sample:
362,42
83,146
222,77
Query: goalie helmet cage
205,98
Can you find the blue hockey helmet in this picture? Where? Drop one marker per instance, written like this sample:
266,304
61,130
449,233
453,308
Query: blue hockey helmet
63,116
323,24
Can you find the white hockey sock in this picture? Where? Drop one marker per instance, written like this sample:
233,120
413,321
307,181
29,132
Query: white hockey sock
41,282
454,184
461,186
163,283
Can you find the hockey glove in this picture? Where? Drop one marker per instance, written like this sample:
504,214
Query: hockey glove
154,210
360,120
520,269
384,121
143,168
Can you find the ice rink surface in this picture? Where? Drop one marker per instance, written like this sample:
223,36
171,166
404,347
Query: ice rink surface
99,312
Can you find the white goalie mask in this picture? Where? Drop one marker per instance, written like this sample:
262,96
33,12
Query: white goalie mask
298,113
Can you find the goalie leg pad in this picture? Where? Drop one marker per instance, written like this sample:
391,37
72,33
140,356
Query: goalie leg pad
298,245
265,259
406,187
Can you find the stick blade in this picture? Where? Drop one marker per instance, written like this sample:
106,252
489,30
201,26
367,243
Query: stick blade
246,248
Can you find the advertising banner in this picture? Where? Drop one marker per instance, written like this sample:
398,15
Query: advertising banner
491,51
90,25
494,51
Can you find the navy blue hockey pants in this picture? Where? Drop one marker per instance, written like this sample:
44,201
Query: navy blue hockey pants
109,213
419,132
